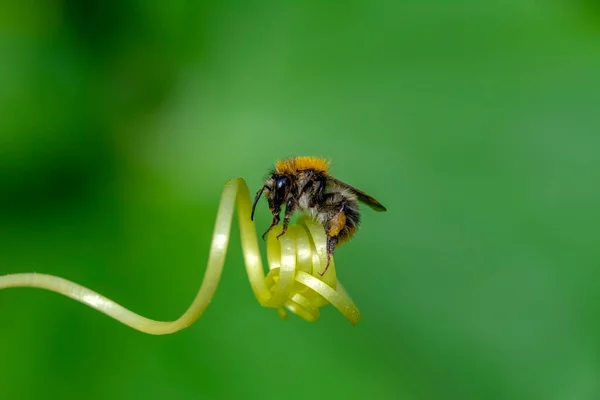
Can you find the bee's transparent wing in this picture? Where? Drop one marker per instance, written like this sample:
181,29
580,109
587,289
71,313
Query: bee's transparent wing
362,196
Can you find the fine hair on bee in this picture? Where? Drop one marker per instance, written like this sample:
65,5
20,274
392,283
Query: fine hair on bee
302,184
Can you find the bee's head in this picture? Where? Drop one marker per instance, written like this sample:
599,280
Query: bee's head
278,188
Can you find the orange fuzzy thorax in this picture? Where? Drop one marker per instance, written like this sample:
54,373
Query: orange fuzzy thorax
295,164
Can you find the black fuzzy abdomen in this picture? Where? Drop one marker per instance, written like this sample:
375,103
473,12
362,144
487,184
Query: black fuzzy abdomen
352,222
334,203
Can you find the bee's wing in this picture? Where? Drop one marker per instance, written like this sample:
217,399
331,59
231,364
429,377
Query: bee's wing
362,196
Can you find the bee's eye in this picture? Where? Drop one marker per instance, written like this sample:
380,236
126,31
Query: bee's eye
281,183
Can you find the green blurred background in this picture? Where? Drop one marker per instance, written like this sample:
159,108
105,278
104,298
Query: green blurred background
475,123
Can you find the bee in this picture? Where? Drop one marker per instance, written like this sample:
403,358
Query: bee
302,184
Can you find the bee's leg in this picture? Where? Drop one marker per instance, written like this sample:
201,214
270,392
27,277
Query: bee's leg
331,242
289,209
335,225
274,222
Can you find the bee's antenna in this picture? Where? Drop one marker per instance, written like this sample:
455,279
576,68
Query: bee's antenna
258,194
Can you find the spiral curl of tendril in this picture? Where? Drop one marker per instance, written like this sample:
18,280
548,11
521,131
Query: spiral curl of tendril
293,281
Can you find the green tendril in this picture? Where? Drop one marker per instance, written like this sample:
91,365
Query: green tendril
293,281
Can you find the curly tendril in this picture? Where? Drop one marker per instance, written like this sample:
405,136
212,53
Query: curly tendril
293,281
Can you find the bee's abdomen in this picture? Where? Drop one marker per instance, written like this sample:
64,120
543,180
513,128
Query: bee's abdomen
352,218
339,215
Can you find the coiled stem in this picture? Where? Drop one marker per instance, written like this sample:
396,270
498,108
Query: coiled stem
293,281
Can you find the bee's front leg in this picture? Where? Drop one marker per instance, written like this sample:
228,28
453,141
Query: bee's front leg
274,222
289,210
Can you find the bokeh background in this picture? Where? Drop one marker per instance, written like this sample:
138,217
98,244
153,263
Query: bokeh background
476,123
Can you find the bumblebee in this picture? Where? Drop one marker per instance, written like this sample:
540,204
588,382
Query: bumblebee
302,184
